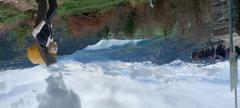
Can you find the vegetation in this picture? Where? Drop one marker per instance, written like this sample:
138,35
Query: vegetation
22,32
77,7
130,25
82,6
19,35
10,14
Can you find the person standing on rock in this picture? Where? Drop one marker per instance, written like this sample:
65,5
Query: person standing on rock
237,50
218,51
212,52
223,51
202,54
45,48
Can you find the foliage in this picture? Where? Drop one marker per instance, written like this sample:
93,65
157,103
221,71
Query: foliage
10,14
19,35
130,25
77,7
22,32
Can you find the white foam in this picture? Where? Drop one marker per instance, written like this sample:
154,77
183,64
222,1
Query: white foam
107,44
117,84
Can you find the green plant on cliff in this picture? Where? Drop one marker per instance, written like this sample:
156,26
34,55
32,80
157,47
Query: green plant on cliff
77,7
136,2
19,35
9,14
22,32
130,26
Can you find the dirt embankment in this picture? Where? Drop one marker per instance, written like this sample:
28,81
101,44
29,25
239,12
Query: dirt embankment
188,17
125,19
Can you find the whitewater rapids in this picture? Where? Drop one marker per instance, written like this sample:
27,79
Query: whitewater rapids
85,80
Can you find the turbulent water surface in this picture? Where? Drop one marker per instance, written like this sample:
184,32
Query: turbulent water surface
97,77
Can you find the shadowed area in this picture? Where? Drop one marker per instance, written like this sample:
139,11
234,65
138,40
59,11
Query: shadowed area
57,95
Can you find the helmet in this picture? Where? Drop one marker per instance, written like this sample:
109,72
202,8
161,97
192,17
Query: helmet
53,48
34,55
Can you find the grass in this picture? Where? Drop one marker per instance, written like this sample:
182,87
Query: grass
77,7
9,14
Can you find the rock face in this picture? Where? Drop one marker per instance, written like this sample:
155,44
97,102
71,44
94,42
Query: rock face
220,13
190,18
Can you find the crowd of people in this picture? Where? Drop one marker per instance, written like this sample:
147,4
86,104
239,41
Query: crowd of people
213,52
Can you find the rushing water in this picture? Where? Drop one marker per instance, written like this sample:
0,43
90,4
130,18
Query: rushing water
101,77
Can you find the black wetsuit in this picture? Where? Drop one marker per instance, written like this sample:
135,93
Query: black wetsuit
47,16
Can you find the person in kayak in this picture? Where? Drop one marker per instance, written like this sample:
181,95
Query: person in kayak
43,29
43,34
